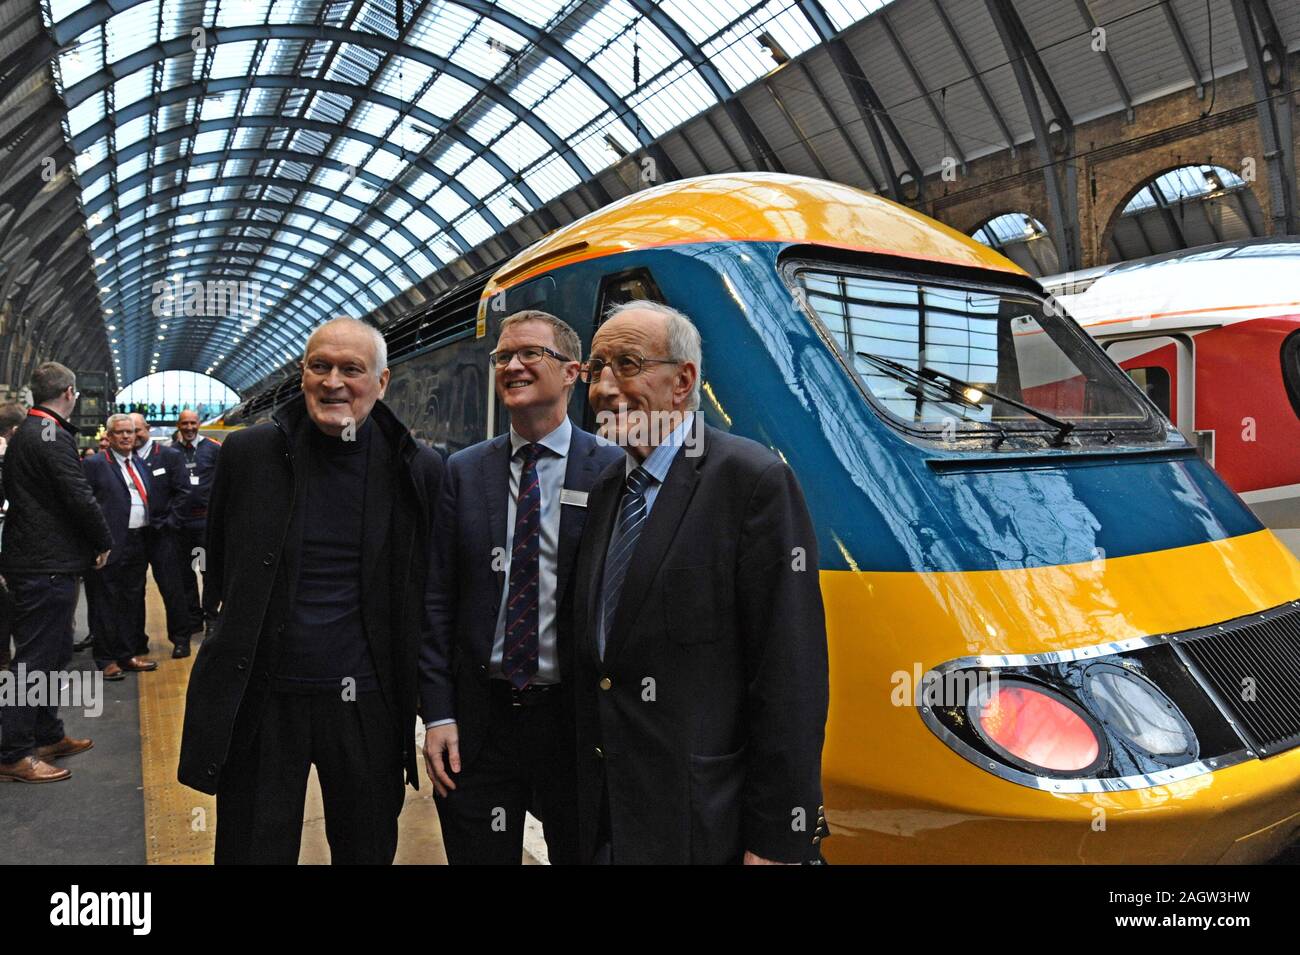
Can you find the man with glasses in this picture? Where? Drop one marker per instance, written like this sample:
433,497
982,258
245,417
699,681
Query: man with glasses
53,531
700,641
499,737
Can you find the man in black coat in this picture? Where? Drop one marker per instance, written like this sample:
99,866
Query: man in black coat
498,740
169,500
53,532
700,663
317,551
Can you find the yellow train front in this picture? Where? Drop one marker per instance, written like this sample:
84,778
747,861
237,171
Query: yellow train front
1055,635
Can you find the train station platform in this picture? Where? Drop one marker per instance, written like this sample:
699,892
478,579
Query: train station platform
123,804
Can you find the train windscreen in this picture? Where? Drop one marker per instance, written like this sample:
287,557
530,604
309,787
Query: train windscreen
943,356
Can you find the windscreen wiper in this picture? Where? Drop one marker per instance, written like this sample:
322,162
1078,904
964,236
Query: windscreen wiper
915,381
959,392
1063,428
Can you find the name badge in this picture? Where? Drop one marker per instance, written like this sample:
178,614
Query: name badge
194,479
159,471
576,498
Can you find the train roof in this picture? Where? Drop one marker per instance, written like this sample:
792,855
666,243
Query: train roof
755,207
1192,288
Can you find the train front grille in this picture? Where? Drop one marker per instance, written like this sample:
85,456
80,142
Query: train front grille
1251,666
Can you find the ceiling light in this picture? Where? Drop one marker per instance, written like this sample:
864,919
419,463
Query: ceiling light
101,260
774,49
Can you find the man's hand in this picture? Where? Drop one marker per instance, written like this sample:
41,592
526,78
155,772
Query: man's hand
101,559
439,740
751,859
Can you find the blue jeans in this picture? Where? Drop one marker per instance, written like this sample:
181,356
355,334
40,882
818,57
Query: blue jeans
43,608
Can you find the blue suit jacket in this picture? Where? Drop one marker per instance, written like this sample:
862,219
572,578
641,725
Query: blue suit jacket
464,592
109,485
169,487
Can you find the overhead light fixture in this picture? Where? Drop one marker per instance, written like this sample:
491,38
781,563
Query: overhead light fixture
500,47
182,252
615,146
95,219
106,289
108,311
774,49
100,260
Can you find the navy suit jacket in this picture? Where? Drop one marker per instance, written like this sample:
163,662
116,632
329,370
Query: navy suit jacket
109,485
169,492
464,592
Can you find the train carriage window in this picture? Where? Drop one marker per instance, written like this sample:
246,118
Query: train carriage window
1291,370
632,286
1155,382
938,355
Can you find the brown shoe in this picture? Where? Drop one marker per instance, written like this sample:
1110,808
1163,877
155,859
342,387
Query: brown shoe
139,665
113,672
29,769
64,747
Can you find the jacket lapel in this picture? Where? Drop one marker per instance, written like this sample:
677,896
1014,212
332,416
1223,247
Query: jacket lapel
580,472
495,481
656,537
602,504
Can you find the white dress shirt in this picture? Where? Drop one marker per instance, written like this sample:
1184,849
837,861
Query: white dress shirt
139,513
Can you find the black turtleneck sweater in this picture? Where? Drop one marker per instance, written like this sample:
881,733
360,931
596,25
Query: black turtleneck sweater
325,638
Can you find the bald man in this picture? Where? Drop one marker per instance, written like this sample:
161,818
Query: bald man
200,454
317,549
169,496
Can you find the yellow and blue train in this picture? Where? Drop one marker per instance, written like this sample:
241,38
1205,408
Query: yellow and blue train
1055,634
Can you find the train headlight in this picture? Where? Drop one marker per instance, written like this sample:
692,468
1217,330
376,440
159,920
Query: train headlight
1135,709
1036,729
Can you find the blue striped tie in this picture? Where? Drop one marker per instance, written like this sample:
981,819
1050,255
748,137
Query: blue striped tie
520,648
631,518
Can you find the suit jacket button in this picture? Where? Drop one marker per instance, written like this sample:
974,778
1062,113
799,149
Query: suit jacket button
268,560
606,683
212,769
242,664
600,753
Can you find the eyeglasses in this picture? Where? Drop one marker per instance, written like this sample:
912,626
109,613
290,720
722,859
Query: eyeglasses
528,355
623,366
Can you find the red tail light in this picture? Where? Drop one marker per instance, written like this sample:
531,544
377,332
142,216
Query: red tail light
1037,728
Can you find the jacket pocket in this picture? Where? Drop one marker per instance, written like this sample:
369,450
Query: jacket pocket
696,602
716,785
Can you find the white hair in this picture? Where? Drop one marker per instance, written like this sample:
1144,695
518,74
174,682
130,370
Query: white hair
108,425
381,346
683,339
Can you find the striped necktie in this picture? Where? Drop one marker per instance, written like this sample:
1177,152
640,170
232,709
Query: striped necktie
519,652
631,518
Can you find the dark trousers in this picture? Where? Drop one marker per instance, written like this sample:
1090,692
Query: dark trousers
42,630
525,765
161,549
188,540
115,602
263,786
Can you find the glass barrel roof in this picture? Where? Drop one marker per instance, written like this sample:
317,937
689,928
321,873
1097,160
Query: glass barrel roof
251,167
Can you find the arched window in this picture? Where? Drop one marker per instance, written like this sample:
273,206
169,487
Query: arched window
162,396
1184,208
1022,239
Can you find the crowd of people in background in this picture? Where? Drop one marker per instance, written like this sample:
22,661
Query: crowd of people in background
99,518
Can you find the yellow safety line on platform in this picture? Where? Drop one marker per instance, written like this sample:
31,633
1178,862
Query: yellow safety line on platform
180,823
